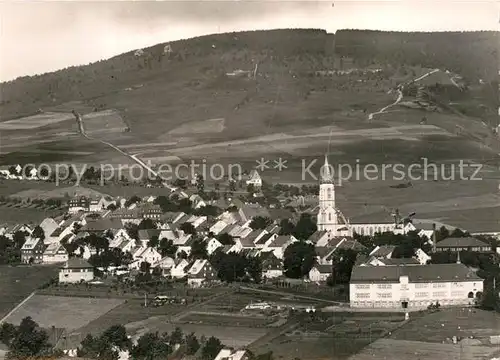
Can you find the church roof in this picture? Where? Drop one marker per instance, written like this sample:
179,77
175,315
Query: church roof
325,172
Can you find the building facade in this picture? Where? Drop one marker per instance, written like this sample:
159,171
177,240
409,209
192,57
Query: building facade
413,287
76,270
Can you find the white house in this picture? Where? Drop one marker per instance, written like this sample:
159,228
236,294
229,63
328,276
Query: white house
413,286
212,245
180,269
200,272
76,270
166,264
48,226
383,251
147,254
279,245
229,354
421,256
254,179
320,273
55,253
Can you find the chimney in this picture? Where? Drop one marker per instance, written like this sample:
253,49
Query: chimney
458,258
434,238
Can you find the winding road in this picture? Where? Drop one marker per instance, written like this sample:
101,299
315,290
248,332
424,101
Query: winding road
400,94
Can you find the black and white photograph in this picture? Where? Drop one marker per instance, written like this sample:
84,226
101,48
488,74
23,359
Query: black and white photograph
250,180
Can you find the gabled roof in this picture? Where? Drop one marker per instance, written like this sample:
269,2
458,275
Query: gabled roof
280,241
399,261
263,239
103,225
383,250
77,263
452,242
148,234
316,236
30,243
323,269
53,249
422,273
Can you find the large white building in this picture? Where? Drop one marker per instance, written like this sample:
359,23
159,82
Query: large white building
413,287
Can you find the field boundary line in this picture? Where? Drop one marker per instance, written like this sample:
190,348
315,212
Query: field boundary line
17,307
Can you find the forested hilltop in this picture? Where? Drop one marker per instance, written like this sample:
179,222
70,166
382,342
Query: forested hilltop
474,55
292,51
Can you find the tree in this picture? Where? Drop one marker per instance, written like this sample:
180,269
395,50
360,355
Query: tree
286,227
133,200
489,300
29,341
254,269
19,238
117,335
199,249
151,346
167,247
7,333
225,239
343,262
192,344
154,241
211,348
177,336
132,230
260,222
299,258
230,267
305,227
146,224
188,228
38,233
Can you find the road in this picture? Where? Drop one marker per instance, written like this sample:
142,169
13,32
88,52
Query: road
79,120
400,94
17,307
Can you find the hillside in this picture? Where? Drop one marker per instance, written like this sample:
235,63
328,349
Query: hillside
289,102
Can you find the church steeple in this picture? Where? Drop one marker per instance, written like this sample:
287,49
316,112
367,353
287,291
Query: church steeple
326,175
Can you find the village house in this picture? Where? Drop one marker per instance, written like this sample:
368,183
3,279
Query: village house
384,251
254,179
165,265
319,273
48,226
462,244
272,267
201,271
279,245
76,270
32,251
78,204
413,286
55,253
180,269
230,354
373,261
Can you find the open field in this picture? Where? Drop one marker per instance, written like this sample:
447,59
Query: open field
223,320
57,193
103,122
236,336
16,283
35,121
63,312
415,350
439,326
197,127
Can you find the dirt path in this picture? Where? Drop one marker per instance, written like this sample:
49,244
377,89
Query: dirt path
17,306
400,94
79,120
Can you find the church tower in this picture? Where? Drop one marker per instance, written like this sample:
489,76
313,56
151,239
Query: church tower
327,214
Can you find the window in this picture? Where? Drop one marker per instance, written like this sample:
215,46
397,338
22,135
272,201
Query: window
362,286
363,295
457,293
439,294
384,295
439,285
384,286
421,294
421,285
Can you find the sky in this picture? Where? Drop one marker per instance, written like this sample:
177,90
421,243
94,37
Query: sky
43,36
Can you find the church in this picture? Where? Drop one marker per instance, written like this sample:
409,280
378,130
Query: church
331,219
